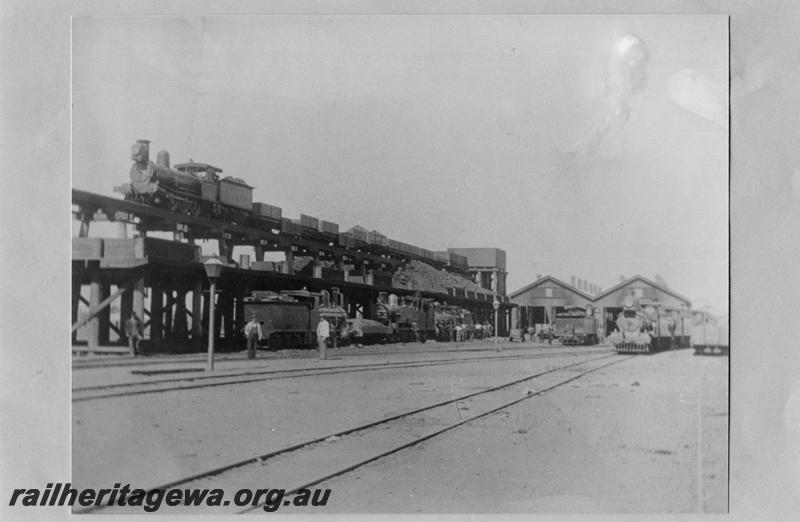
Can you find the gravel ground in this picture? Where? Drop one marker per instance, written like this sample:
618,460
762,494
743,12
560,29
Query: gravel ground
632,438
624,439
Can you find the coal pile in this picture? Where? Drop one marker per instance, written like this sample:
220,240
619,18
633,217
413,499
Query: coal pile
417,275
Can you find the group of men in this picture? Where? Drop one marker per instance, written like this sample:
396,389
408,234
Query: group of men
134,331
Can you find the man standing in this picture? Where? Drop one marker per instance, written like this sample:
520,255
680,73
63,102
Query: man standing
252,332
134,329
323,332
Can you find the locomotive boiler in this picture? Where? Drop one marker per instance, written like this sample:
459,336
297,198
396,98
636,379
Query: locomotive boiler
190,188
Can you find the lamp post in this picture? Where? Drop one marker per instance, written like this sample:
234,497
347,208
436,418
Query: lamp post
213,267
496,306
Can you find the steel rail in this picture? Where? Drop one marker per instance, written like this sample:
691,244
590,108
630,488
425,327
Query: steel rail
260,459
289,374
432,435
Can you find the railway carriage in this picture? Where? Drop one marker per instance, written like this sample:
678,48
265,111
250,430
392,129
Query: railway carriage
709,334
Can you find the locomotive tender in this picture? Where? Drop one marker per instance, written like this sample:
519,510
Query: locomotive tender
289,319
576,325
447,317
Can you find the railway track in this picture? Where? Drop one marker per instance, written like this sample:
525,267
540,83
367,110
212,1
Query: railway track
126,361
309,463
234,377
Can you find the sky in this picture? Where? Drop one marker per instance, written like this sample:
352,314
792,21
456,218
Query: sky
587,145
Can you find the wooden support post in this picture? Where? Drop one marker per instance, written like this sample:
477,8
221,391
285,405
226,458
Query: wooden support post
156,313
225,249
239,319
104,316
288,264
170,301
179,323
226,310
85,221
316,267
125,311
204,317
95,292
138,298
197,311
76,300
122,230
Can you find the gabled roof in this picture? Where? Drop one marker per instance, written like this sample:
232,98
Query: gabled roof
541,280
643,279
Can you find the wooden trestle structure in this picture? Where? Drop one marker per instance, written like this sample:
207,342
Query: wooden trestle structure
164,281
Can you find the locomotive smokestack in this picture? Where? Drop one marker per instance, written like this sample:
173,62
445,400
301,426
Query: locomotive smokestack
140,152
163,158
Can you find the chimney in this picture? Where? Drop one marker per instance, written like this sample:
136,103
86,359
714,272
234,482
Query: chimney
621,278
572,280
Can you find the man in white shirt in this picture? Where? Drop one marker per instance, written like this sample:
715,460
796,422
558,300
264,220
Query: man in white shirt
252,332
323,332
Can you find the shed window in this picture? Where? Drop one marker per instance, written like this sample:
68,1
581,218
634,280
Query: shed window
638,292
548,292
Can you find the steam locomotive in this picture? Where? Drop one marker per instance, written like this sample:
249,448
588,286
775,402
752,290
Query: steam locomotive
196,189
190,188
406,319
646,326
